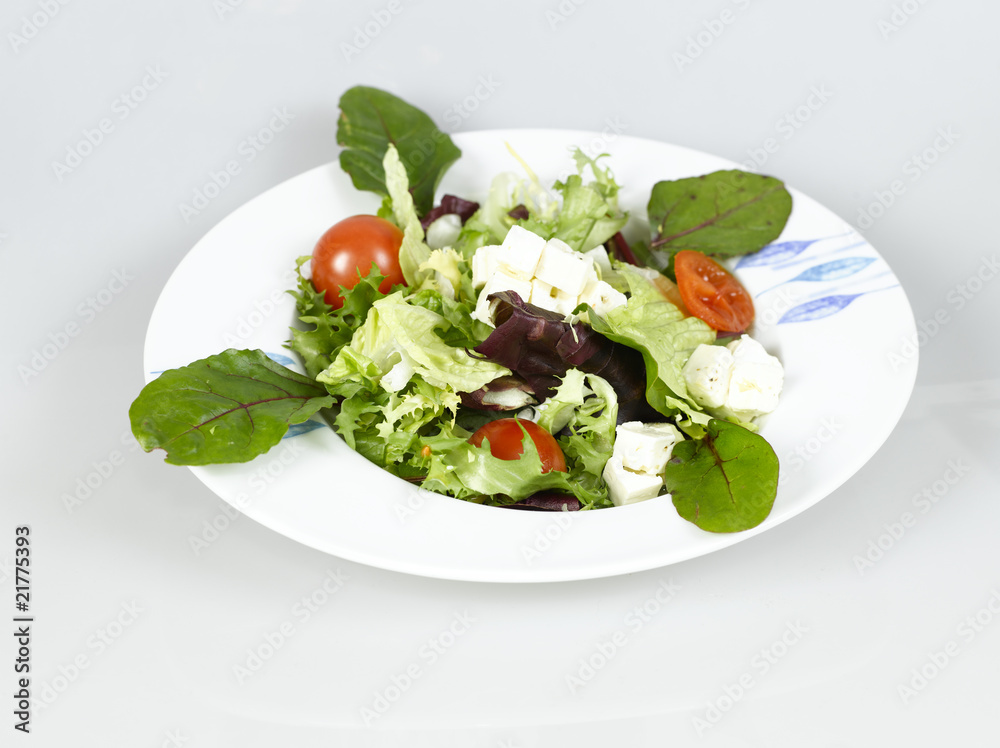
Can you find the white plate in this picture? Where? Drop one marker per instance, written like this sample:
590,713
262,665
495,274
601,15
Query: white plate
827,305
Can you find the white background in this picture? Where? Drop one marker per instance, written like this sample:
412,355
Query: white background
895,76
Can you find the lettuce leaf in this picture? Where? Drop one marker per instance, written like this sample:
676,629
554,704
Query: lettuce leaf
540,346
472,473
583,413
328,329
413,252
400,340
724,214
370,122
725,482
665,338
230,407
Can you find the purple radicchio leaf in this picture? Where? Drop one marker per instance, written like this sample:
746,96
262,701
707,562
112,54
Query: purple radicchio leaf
539,346
547,501
450,204
619,249
519,213
503,393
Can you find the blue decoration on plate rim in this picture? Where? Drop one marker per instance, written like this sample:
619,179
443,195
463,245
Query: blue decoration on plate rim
860,269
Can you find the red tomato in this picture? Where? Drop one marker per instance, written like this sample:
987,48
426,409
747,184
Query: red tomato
711,293
352,246
507,442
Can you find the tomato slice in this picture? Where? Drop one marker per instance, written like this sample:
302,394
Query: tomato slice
350,247
711,293
507,442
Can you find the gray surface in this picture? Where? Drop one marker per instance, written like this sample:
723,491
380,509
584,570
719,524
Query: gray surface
61,240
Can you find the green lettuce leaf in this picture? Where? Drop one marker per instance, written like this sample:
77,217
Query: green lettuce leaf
472,473
665,337
230,407
590,214
398,334
327,329
724,482
413,252
583,413
370,121
458,328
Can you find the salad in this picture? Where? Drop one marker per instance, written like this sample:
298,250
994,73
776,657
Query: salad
518,353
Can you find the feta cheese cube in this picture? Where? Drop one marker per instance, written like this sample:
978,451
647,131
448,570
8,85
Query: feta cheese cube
552,298
645,447
627,487
500,281
707,374
756,380
563,268
444,231
485,262
602,297
599,256
520,252
748,349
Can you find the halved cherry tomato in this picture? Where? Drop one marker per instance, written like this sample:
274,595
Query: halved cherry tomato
711,293
507,442
350,246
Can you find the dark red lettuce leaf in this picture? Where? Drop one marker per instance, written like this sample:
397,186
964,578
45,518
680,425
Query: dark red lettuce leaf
539,346
619,249
450,204
548,501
